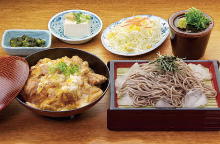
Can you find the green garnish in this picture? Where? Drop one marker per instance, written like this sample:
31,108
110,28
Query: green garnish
62,67
77,17
194,20
80,17
65,69
26,41
167,63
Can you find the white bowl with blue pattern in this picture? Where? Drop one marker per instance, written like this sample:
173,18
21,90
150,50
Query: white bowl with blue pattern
56,27
164,33
24,51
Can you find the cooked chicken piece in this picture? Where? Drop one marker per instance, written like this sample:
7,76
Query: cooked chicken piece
44,69
30,88
42,61
96,79
94,93
36,98
67,100
77,60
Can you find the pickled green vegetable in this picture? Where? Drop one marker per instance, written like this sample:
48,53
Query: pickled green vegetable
26,41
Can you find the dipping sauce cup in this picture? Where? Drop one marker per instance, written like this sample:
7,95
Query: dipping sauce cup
188,45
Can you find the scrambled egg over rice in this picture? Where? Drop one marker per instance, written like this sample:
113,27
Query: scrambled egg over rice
62,84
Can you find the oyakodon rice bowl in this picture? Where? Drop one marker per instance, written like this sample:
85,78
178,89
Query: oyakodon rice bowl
64,82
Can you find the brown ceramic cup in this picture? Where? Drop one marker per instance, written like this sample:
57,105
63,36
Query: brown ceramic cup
188,45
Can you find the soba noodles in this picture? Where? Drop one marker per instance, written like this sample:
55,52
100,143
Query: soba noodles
147,85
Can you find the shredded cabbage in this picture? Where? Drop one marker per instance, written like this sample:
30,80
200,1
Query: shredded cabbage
135,35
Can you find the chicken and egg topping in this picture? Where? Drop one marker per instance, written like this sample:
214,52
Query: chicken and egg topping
62,84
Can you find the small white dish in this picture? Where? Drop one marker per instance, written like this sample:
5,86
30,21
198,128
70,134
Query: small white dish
164,33
55,26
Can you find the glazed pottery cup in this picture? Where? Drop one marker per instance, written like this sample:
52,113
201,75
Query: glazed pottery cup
188,45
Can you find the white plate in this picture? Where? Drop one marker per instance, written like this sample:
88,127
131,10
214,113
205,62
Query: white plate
164,33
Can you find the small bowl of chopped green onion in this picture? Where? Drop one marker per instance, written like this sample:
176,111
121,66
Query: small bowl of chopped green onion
24,42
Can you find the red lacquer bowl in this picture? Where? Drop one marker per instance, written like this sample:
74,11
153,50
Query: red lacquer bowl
13,75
